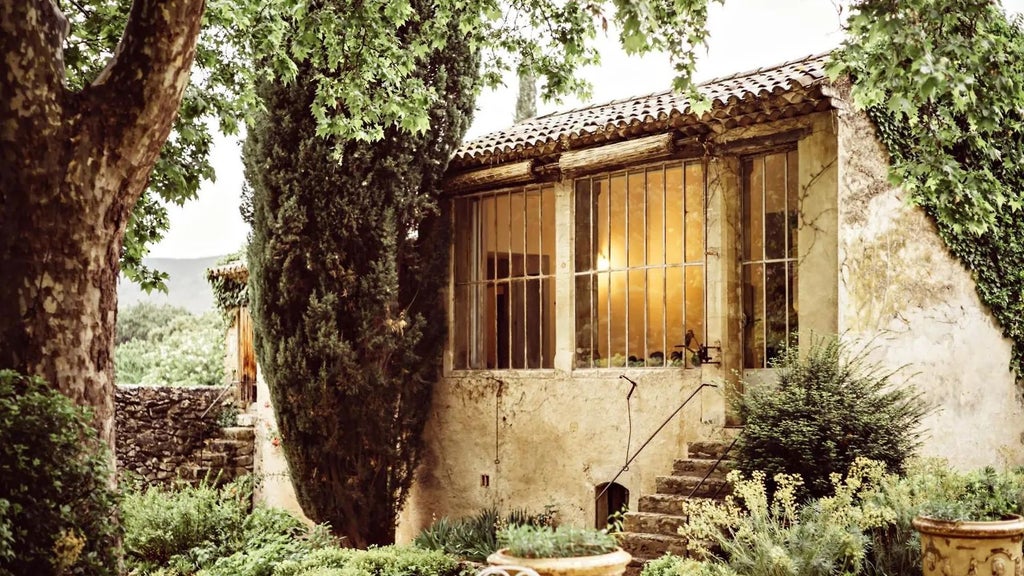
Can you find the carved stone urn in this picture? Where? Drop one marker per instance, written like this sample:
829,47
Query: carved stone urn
978,548
611,564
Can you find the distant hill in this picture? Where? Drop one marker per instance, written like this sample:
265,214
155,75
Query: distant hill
187,286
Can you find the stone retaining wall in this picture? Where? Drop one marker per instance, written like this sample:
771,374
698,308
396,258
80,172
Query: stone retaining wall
170,432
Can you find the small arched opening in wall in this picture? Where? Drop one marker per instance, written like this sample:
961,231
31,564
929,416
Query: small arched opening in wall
610,499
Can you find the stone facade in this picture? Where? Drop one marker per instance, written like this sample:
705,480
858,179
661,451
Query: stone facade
166,433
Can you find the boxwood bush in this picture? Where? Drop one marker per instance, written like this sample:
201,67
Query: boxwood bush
56,503
829,406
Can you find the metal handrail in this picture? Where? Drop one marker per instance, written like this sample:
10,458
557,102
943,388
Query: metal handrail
655,433
712,470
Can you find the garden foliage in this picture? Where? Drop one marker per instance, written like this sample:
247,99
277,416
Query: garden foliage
384,561
528,541
862,527
168,345
476,537
55,501
829,406
943,81
211,531
348,258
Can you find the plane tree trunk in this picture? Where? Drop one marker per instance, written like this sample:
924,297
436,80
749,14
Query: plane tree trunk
72,166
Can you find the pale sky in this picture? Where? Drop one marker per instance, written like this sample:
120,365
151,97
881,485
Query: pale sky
745,34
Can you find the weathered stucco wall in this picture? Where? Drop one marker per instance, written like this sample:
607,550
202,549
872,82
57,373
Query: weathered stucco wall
900,289
547,439
169,432
274,487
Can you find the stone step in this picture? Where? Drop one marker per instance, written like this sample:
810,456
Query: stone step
708,450
230,446
699,467
246,419
651,523
239,433
670,504
716,488
645,547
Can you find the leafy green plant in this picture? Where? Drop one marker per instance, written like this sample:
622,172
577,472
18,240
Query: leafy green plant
476,537
526,541
187,526
829,406
941,81
56,505
764,534
186,349
383,561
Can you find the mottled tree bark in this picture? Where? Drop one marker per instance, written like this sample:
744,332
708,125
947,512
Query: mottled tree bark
72,166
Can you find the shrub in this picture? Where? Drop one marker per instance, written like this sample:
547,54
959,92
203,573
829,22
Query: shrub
476,537
930,487
187,527
270,536
185,349
385,561
760,534
554,542
56,505
828,407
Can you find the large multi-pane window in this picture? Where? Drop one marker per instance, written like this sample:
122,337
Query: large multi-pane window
770,220
504,279
639,266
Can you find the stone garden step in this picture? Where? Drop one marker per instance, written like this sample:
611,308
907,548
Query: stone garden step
699,467
717,488
239,433
709,450
652,523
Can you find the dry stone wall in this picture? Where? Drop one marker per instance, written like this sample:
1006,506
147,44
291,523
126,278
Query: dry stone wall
165,433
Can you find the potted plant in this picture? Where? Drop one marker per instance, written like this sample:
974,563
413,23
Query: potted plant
560,551
980,531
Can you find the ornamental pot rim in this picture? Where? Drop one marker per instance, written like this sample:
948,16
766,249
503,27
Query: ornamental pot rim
1009,525
613,558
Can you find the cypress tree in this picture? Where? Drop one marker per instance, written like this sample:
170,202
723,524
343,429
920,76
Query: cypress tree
348,259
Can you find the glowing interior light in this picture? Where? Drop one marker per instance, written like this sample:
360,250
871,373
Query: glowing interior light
602,262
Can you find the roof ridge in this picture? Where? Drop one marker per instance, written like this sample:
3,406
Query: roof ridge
715,80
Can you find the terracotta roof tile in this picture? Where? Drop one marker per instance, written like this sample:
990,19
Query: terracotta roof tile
759,95
236,270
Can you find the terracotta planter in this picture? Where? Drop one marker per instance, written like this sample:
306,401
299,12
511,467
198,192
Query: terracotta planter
977,548
610,564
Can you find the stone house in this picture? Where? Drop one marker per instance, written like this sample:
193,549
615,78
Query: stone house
641,242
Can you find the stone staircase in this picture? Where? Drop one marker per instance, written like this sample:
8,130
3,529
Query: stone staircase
226,457
652,530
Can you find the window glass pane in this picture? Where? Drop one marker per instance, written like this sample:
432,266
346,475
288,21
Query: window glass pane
497,355
675,320
534,332
601,317
636,221
464,231
793,201
694,212
586,327
584,222
656,353
461,327
775,216
517,231
753,312
753,210
547,286
533,233
502,241
776,309
546,222
617,318
517,324
674,214
617,198
600,191
655,217
636,351
694,309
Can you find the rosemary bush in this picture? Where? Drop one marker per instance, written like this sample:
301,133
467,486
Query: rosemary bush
555,542
476,537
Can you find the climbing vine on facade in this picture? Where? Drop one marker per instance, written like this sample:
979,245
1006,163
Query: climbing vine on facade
943,82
